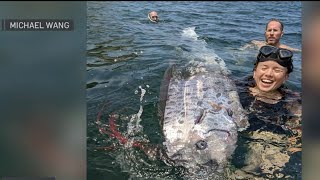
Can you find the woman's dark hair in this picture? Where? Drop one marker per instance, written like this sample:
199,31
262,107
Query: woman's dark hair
289,66
280,55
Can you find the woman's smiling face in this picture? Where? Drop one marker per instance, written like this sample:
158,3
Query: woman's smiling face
269,75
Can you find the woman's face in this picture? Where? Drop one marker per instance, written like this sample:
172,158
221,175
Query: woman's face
269,75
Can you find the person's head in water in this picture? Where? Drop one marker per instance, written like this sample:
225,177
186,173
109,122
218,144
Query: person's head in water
274,32
153,16
272,68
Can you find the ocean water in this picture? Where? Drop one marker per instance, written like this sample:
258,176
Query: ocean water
127,56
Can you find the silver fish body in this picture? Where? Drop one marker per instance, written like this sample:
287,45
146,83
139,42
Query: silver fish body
201,117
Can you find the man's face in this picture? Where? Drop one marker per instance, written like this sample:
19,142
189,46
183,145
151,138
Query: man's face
154,16
269,75
273,33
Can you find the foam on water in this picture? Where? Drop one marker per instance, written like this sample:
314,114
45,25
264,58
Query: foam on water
199,53
190,33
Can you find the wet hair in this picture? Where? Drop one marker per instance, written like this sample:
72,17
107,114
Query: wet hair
289,66
276,20
280,55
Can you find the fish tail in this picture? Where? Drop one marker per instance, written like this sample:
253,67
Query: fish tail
115,132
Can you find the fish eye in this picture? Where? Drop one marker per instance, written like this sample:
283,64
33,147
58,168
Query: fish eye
230,112
201,145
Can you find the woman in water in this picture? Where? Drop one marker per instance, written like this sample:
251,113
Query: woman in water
268,146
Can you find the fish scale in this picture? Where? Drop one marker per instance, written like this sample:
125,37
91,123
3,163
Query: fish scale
184,98
203,107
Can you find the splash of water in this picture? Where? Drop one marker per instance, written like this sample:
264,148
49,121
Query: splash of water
134,126
189,32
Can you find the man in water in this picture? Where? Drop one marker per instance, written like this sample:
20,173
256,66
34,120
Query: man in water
273,33
266,147
153,16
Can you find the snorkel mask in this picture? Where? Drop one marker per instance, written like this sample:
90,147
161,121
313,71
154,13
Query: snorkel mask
280,55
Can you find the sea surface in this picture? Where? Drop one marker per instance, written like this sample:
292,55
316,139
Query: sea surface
127,56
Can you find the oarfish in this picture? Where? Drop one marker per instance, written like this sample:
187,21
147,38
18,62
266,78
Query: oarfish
201,116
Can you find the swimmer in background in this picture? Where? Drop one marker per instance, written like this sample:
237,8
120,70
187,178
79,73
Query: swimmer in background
153,16
273,33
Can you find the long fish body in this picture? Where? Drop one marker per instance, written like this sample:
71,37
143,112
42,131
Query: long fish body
201,115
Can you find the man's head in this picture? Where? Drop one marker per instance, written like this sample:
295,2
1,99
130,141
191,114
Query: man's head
153,16
274,32
272,68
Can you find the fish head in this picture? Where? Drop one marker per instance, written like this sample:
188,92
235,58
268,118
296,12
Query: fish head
209,144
